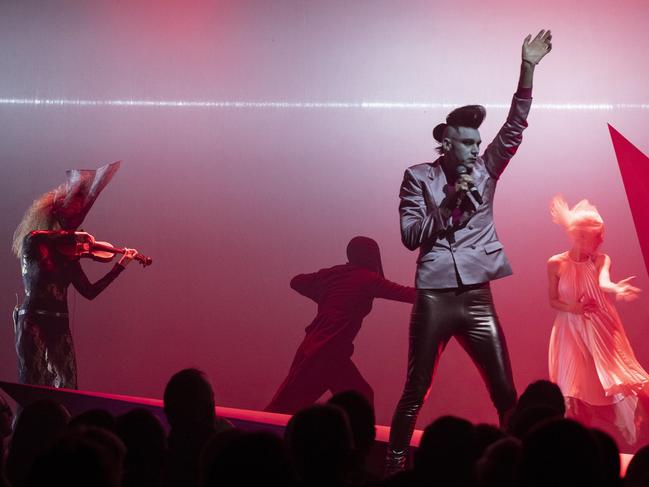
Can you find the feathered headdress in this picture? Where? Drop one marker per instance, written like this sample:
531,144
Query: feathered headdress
582,215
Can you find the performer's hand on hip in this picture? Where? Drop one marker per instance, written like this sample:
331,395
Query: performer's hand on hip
128,256
535,49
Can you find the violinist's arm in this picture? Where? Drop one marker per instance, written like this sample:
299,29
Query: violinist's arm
54,235
88,289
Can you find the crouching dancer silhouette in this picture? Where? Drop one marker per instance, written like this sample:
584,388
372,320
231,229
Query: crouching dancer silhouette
344,294
446,211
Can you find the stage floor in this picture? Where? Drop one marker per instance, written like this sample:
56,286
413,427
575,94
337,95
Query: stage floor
79,401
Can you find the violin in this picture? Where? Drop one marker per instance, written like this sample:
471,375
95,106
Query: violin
86,246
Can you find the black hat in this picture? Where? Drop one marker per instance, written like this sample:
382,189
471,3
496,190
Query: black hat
466,116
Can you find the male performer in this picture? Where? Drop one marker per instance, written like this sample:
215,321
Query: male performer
446,211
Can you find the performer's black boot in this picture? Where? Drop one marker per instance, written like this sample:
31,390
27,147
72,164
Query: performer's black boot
401,430
395,462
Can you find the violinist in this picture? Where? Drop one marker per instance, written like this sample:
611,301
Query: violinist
48,248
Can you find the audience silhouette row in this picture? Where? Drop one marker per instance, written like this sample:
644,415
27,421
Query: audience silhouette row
323,445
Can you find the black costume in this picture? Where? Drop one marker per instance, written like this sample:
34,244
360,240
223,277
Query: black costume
43,340
344,294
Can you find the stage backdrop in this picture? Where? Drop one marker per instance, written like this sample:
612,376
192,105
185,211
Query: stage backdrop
302,117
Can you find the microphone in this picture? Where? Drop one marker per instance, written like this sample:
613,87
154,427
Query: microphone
460,170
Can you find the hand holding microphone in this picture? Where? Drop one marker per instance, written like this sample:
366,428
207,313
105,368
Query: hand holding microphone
465,182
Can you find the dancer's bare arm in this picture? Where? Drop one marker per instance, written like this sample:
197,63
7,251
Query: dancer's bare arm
622,289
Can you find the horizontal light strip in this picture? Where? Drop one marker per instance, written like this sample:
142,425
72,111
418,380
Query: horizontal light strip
306,105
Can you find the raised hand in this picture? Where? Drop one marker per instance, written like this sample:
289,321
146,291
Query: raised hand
535,49
625,291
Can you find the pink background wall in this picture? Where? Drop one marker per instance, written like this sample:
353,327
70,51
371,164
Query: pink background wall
232,202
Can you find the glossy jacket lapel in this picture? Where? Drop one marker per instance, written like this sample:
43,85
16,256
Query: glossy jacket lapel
436,182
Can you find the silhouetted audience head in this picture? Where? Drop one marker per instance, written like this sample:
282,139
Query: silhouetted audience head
360,415
39,425
217,444
447,453
560,452
255,458
637,472
189,407
540,401
319,443
6,418
498,466
85,456
542,393
610,456
525,420
486,435
189,399
99,418
146,446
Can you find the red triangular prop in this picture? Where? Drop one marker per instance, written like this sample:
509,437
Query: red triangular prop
634,166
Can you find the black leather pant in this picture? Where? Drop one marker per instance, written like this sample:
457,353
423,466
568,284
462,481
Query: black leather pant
468,314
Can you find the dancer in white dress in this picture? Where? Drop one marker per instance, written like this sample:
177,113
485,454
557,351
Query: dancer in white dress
590,357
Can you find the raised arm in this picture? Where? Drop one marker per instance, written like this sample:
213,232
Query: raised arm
622,289
510,136
418,225
532,52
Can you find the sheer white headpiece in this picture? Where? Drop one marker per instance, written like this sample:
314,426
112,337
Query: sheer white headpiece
582,215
